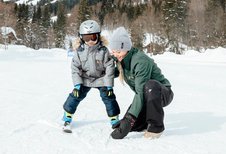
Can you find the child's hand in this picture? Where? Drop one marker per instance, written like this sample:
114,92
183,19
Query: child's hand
76,90
109,91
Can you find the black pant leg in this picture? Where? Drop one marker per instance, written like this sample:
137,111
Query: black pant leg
156,97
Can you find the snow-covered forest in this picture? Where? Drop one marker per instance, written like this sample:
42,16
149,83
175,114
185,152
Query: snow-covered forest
48,24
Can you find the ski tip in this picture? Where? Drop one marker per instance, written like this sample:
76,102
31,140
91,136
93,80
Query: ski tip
67,131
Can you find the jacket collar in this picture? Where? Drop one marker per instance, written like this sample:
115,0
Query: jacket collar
92,47
127,60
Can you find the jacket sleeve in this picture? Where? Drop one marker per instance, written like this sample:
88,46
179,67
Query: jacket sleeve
142,72
109,70
76,70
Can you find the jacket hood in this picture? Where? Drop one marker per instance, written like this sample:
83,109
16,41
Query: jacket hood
127,60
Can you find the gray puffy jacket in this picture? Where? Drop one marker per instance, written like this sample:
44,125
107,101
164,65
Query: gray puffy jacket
92,66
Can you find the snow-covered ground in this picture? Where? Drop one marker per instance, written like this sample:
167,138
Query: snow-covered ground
35,83
28,2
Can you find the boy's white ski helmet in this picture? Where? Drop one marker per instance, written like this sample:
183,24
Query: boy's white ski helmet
89,27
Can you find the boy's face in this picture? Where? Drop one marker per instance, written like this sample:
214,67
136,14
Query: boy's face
90,39
119,54
91,43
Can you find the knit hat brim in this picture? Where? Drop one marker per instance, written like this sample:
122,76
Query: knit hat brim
120,46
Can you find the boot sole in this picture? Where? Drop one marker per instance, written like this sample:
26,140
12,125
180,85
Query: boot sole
151,135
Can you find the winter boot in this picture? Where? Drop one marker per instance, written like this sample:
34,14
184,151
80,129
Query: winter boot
67,117
151,135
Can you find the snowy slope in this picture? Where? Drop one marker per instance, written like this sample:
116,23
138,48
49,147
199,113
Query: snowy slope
34,85
28,2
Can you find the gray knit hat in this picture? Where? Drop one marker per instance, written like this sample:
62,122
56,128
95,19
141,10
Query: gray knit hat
120,40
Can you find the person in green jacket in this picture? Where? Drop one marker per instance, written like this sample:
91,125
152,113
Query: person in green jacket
152,90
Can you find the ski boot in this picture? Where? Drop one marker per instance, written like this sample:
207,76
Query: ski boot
67,118
114,121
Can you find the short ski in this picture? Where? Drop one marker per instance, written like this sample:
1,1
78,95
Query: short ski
67,127
66,130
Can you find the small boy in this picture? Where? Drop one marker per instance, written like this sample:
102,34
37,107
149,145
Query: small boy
92,67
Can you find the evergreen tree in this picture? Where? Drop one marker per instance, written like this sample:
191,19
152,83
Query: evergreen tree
174,17
106,7
28,35
214,24
46,16
15,8
22,22
69,4
157,5
34,17
37,31
35,38
44,26
223,5
84,12
59,26
137,35
39,13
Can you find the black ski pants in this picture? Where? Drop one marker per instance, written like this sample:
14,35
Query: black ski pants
156,96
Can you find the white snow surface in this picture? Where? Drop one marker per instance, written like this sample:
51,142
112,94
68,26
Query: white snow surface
27,2
32,2
34,85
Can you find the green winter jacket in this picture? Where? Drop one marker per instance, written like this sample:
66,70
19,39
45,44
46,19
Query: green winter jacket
138,69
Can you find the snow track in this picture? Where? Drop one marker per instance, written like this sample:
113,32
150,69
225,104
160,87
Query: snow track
35,84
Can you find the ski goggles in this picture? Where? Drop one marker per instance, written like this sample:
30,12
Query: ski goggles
88,37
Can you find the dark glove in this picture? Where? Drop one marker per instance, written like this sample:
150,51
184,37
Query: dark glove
76,91
124,127
109,91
